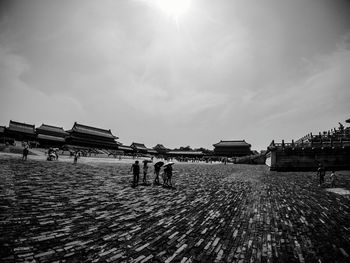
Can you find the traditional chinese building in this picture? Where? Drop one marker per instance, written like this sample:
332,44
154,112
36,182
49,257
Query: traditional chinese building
185,154
160,149
87,136
232,148
20,131
48,135
125,149
3,138
330,148
139,147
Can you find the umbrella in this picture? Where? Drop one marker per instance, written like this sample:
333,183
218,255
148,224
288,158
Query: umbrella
160,164
169,163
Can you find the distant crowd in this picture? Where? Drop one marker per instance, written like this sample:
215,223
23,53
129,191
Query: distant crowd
167,174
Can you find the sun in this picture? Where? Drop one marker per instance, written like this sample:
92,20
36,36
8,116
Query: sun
173,8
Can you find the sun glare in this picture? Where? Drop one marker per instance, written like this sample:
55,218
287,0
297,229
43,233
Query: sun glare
173,8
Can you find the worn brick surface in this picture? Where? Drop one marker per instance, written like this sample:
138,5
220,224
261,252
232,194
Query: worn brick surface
55,211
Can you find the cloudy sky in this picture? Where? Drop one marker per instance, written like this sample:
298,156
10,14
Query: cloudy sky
156,72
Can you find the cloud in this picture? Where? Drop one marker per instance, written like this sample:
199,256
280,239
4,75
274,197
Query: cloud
20,102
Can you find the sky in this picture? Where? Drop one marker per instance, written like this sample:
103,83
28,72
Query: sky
156,72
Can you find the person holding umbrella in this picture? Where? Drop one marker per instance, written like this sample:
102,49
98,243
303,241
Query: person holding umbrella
157,167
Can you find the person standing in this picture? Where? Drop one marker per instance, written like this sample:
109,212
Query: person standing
333,179
321,172
145,170
76,156
157,167
25,151
168,173
135,168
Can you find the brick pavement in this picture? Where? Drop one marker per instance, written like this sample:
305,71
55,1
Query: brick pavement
61,212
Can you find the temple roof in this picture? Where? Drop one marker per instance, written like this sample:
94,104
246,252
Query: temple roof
125,148
186,152
21,127
232,143
139,146
49,128
159,147
50,138
80,128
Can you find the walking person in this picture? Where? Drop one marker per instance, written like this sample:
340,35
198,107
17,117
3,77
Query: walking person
25,151
333,179
145,170
135,168
76,156
168,173
157,167
321,172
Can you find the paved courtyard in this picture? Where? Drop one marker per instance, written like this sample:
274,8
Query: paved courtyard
58,211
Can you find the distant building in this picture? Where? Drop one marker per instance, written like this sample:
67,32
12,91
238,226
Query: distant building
139,147
160,149
185,154
87,136
125,149
3,136
21,131
48,135
232,148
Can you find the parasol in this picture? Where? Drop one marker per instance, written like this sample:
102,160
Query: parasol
160,164
169,163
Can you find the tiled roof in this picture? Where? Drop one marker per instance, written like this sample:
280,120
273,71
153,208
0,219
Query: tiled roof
124,148
80,128
159,147
186,152
21,127
50,138
49,128
231,143
139,146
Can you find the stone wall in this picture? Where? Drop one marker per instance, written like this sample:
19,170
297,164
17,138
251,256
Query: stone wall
300,159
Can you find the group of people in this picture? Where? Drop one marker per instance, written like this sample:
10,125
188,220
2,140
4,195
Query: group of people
52,154
166,176
321,173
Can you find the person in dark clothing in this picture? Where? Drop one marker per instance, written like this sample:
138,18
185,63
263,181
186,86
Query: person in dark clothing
321,172
156,172
168,173
25,151
135,168
145,170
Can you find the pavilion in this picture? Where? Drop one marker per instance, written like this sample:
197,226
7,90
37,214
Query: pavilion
87,136
139,147
48,135
232,148
160,149
21,131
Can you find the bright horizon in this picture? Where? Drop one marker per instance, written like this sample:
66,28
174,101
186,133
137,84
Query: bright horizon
191,72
